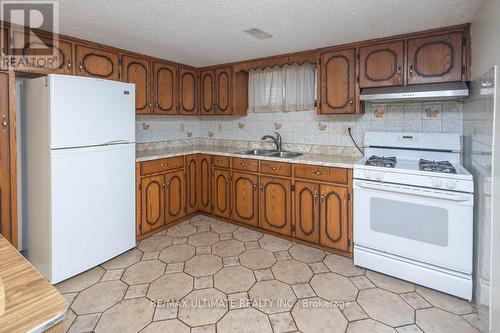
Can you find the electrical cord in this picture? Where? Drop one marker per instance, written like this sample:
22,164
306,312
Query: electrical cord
354,141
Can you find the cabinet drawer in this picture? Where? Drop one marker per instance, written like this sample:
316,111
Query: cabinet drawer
315,172
245,164
222,161
276,168
163,164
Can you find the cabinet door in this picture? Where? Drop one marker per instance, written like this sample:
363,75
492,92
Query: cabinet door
221,193
175,199
223,85
192,183
207,93
334,231
245,198
165,88
338,82
204,190
50,58
306,217
152,203
188,92
97,63
435,59
381,65
138,71
275,205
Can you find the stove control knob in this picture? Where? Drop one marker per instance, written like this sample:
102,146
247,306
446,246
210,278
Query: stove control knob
379,176
451,184
436,182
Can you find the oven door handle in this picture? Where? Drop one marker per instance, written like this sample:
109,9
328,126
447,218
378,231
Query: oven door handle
413,191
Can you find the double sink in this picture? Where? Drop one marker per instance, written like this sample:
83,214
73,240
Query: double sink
270,153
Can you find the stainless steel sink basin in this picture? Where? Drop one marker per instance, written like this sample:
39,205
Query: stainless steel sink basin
285,154
257,152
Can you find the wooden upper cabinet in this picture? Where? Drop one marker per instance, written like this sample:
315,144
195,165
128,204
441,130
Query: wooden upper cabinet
175,196
245,198
164,88
306,198
275,205
334,217
436,58
223,89
192,183
152,203
52,58
96,62
138,71
188,92
204,189
207,92
381,65
338,82
221,193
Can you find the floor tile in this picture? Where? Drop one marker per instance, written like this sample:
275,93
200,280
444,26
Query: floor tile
165,311
272,296
203,282
274,244
170,287
361,282
435,320
342,266
409,329
318,267
150,255
179,240
173,325
69,319
369,325
228,248
257,259
234,279
474,320
70,297
177,253
445,302
174,268
144,272
238,300
334,287
221,227
312,316
181,230
99,297
123,260
137,291
389,283
282,322
230,261
292,271
81,281
263,274
303,290
226,236
197,313
385,307
128,316
252,245
306,253
282,255
415,300
85,323
203,239
202,220
114,274
247,235
203,250
245,320
203,264
155,243
204,329
352,311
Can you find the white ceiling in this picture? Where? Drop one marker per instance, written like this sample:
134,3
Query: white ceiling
207,32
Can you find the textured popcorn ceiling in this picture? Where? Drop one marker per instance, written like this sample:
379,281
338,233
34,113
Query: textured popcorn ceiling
203,32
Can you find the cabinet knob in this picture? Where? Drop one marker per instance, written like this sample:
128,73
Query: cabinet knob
5,123
262,187
315,195
351,101
254,187
399,70
275,168
323,196
244,164
411,70
163,164
317,173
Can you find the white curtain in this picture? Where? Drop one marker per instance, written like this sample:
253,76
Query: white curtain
289,88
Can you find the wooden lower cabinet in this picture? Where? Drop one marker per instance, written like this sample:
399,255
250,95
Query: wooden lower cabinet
152,203
192,183
175,196
276,205
205,188
306,213
334,217
221,193
245,198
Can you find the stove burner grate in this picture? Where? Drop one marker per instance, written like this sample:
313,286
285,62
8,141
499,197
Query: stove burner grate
436,166
381,161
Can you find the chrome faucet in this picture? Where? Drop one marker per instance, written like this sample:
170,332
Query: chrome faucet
277,140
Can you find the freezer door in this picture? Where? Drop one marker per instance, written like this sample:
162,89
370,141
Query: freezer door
88,111
92,207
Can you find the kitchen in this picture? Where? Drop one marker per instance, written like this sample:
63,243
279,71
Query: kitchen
295,177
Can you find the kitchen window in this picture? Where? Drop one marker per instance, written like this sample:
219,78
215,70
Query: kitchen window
288,88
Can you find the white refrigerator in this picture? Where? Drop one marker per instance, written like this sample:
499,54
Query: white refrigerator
79,169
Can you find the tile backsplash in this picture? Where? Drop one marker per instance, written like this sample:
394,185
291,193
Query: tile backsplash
307,127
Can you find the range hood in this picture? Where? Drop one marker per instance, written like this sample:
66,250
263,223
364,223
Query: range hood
421,92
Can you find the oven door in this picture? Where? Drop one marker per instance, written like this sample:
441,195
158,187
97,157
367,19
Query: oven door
426,225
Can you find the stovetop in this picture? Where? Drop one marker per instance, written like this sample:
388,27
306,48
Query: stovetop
436,166
381,161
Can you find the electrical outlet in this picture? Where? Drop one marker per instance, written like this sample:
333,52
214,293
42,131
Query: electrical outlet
345,130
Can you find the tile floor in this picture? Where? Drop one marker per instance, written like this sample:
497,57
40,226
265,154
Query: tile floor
228,278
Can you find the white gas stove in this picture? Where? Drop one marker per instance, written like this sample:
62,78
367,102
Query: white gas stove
413,205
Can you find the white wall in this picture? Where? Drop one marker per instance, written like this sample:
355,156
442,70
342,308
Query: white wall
485,37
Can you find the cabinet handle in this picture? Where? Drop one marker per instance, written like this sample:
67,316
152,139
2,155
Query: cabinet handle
4,122
322,196
275,168
411,70
69,64
81,67
244,164
219,161
399,70
164,164
254,187
262,187
318,173
315,194
167,184
163,184
351,101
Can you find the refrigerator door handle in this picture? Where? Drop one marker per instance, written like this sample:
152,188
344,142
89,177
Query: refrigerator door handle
115,142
